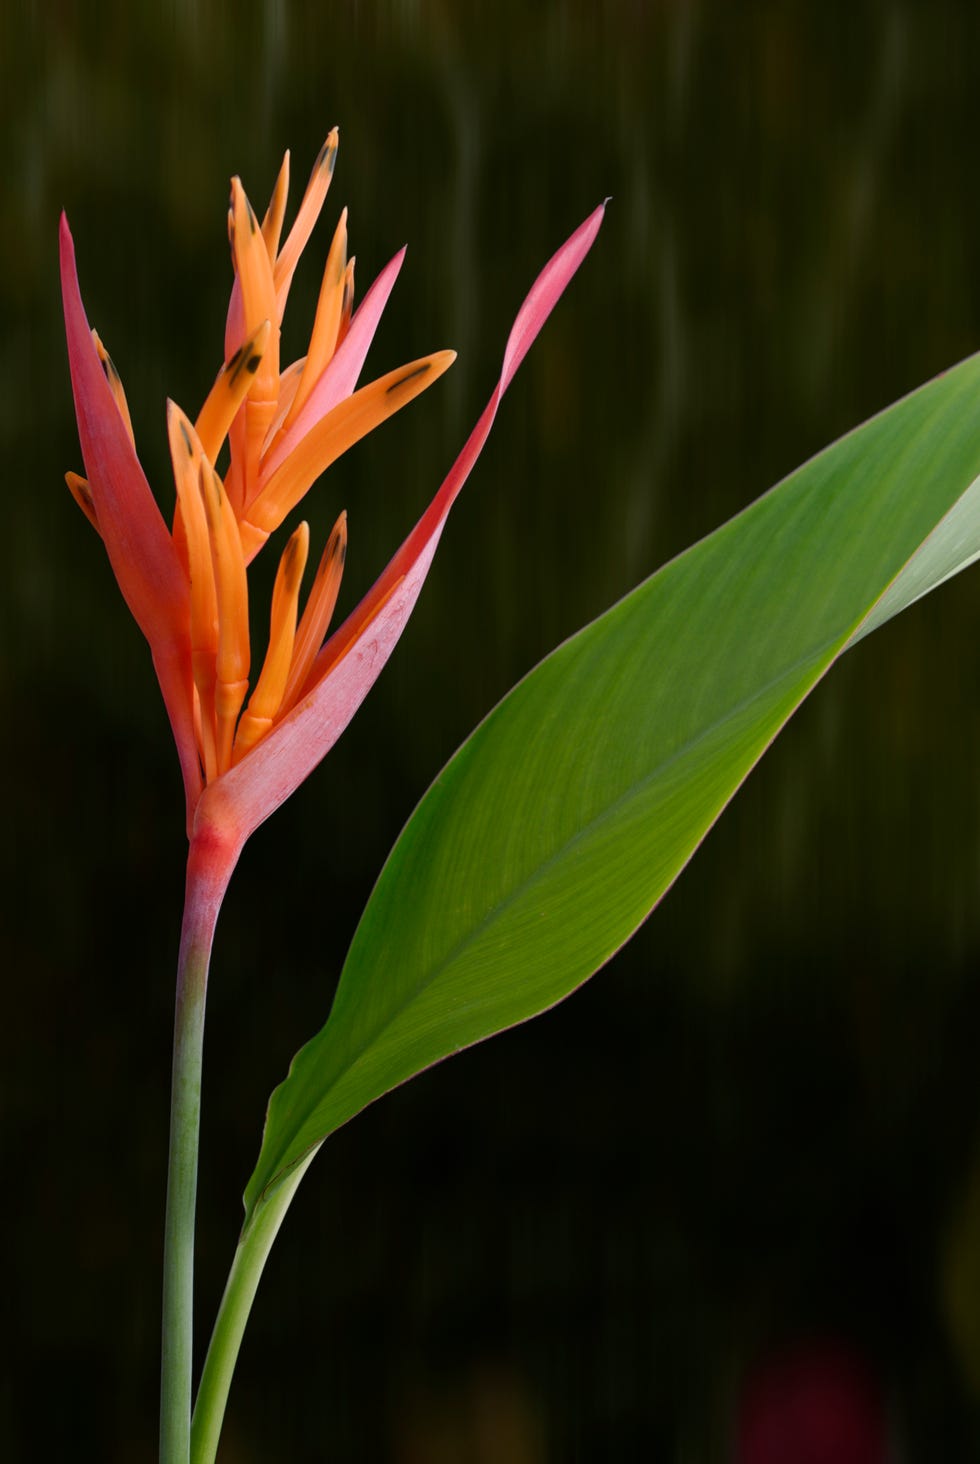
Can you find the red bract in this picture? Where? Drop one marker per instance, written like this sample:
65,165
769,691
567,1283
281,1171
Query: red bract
188,586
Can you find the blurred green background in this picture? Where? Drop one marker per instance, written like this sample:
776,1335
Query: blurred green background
758,1128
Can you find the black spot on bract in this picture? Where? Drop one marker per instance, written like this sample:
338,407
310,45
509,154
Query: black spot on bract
409,375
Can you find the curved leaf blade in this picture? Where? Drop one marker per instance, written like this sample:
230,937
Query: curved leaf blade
571,809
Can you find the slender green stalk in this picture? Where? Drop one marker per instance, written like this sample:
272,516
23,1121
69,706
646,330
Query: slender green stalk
243,1279
209,867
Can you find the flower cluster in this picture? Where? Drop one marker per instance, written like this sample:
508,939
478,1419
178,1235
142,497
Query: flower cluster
284,427
187,585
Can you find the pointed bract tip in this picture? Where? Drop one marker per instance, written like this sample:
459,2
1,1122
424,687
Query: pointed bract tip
327,156
179,427
294,556
66,244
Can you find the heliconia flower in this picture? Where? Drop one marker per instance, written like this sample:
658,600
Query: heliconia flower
242,754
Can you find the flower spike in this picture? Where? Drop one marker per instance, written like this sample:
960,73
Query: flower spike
188,590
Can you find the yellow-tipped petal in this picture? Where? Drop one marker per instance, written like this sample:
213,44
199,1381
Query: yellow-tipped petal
329,312
231,587
229,391
266,699
309,212
115,385
276,212
188,462
318,612
349,421
82,494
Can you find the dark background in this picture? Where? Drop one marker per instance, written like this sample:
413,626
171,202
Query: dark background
758,1128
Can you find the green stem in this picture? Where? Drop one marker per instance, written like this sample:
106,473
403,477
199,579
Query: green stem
243,1279
209,866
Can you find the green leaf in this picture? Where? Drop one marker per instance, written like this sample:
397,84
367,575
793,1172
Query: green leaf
569,812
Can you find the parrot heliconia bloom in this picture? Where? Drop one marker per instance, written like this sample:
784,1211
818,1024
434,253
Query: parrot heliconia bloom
248,734
246,741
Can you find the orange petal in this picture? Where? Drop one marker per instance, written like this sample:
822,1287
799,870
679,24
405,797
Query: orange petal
232,661
187,457
317,614
309,212
347,308
289,381
351,420
229,391
82,494
115,385
275,213
266,699
254,278
254,272
235,476
329,313
188,462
